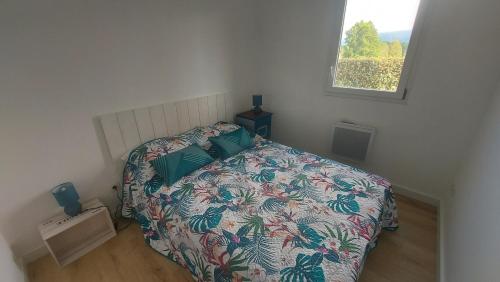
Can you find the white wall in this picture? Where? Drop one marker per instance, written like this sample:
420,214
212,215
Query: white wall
8,268
417,145
64,62
472,250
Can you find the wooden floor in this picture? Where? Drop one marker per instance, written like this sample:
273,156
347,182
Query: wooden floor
408,254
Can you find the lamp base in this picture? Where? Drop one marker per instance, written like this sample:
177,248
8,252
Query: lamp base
257,110
73,209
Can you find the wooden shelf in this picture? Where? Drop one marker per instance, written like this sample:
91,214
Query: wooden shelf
69,238
92,243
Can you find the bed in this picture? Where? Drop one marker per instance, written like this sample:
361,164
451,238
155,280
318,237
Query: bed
268,213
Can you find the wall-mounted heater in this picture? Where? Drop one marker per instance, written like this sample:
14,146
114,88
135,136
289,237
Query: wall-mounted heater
352,141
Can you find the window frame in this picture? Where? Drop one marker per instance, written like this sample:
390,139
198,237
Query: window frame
401,94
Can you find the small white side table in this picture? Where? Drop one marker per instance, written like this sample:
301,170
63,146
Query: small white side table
69,238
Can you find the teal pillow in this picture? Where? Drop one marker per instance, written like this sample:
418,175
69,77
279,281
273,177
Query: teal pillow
178,164
232,143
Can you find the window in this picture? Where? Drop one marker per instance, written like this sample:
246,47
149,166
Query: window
374,48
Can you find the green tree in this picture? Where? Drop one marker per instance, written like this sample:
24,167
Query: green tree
395,49
384,49
362,40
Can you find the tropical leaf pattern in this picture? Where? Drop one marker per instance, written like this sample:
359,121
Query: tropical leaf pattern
271,213
344,204
208,220
307,268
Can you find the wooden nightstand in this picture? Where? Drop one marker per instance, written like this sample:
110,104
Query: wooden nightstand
258,123
69,238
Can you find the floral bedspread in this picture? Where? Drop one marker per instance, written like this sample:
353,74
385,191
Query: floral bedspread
269,213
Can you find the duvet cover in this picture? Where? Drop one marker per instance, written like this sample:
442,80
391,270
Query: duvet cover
269,213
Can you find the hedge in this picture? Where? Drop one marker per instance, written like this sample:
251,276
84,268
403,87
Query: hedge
369,73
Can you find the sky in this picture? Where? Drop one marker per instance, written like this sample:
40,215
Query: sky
387,15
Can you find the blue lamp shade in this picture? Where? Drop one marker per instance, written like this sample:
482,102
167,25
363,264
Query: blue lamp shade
257,102
67,197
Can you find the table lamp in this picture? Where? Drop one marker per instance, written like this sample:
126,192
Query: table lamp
67,197
257,102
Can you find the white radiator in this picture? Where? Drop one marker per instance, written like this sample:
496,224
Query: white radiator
352,141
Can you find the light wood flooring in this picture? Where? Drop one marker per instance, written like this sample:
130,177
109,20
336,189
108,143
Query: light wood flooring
408,254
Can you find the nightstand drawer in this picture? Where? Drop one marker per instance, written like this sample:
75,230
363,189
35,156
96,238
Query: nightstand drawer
257,123
264,121
263,131
246,123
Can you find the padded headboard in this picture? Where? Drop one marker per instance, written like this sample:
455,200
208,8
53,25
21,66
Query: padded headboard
126,130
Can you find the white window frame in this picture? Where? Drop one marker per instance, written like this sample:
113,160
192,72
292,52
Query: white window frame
401,93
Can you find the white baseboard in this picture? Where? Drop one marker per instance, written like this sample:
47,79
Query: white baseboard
30,257
34,254
441,237
440,205
416,195
22,267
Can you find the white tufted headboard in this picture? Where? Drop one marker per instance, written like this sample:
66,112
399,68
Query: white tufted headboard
126,130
